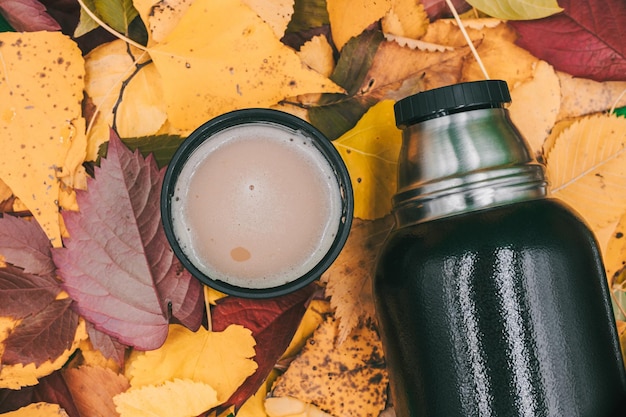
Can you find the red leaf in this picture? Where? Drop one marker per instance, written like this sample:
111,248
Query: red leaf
24,294
585,40
118,265
24,243
42,336
27,16
273,323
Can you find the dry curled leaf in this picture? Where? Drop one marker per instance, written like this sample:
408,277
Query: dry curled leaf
349,279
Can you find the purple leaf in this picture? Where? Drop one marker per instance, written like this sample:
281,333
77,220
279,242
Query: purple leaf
23,243
585,40
110,347
24,294
27,16
43,336
117,265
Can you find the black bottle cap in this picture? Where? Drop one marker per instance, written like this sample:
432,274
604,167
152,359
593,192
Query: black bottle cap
451,99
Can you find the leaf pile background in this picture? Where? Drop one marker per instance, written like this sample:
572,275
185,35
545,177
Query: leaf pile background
98,317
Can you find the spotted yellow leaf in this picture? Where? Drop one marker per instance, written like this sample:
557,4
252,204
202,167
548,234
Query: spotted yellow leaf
348,18
222,56
41,90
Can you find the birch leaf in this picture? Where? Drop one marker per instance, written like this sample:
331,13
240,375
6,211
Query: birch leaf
370,151
41,89
177,398
348,18
587,168
219,359
221,56
405,18
517,9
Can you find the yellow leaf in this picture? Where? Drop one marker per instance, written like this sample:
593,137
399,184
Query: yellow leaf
370,151
580,96
276,13
161,17
587,168
255,405
38,410
18,376
343,380
348,18
349,279
314,315
517,9
219,359
5,191
318,54
41,90
406,18
218,59
177,398
535,116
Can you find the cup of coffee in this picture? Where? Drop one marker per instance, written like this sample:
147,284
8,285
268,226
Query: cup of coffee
256,203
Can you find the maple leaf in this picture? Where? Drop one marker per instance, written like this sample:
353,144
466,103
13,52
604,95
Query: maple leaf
273,323
28,16
585,40
124,276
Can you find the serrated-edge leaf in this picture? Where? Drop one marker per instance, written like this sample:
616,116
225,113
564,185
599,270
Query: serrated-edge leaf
587,168
517,9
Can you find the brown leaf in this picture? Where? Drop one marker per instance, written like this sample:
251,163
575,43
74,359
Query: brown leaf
349,380
93,389
349,279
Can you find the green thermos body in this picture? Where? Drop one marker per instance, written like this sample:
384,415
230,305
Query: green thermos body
491,297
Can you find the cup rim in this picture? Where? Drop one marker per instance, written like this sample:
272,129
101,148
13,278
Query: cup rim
253,116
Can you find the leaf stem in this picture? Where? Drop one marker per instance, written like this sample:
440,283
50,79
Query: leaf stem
467,38
110,29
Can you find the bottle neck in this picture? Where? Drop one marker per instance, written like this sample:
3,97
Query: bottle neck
464,162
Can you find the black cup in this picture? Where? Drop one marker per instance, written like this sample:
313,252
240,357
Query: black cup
279,120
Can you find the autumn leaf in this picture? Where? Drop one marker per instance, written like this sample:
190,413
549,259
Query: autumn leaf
405,18
197,86
289,407
587,169
372,69
348,18
536,118
39,409
41,80
581,96
615,255
345,380
221,360
118,14
437,9
370,151
93,388
24,294
584,41
349,279
124,277
23,243
273,323
28,16
517,9
175,398
20,375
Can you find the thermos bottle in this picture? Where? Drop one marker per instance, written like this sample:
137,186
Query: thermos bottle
491,296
